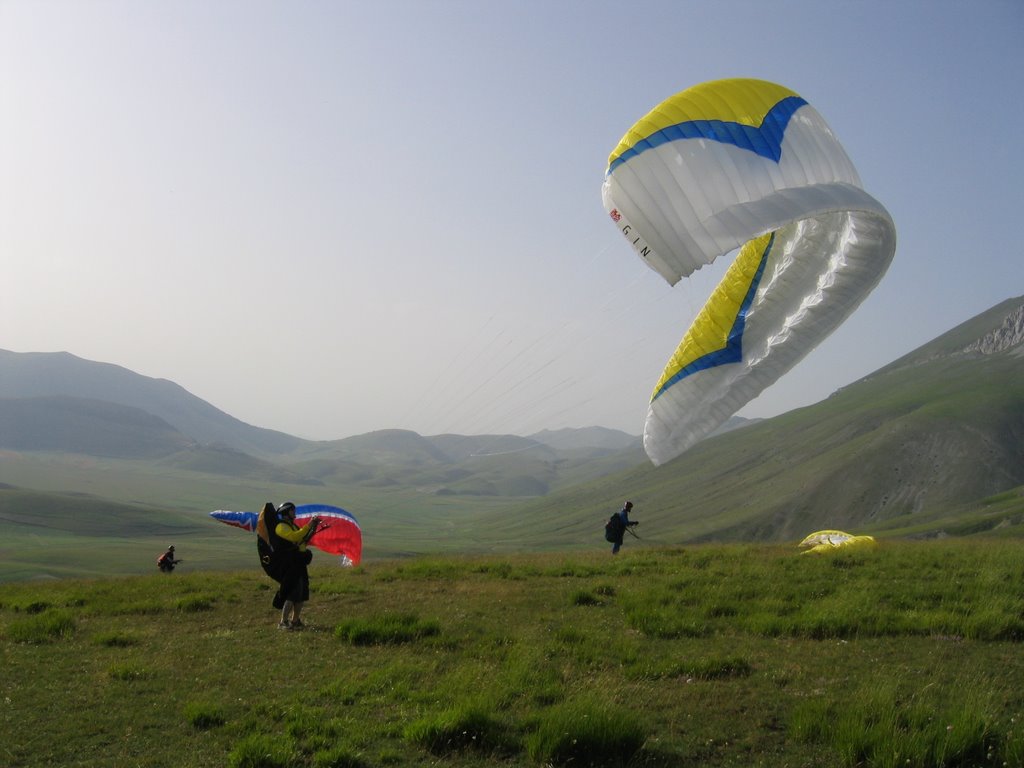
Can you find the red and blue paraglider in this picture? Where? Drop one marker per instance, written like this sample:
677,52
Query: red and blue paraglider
339,532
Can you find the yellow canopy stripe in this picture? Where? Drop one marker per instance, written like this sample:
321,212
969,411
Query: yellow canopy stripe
716,335
739,100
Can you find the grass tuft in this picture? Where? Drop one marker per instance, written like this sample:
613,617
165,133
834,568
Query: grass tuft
386,629
584,597
704,668
883,725
195,604
129,672
116,639
338,757
585,732
203,716
263,751
45,627
464,727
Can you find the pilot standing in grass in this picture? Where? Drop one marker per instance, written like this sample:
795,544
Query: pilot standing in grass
616,526
295,570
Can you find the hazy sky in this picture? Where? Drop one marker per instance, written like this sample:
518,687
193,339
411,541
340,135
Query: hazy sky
328,218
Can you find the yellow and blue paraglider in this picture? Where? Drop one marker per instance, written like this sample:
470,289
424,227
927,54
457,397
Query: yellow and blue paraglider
744,164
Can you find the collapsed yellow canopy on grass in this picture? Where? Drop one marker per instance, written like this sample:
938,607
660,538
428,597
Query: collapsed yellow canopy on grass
826,541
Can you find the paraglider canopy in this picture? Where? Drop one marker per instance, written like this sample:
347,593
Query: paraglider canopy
743,164
826,541
338,534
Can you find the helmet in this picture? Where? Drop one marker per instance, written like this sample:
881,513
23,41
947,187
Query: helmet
628,505
171,547
287,508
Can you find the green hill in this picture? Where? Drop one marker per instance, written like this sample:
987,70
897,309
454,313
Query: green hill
48,374
901,451
78,425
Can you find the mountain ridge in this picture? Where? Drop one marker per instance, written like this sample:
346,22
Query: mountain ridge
62,374
39,374
932,434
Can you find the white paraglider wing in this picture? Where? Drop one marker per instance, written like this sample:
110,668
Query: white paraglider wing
743,164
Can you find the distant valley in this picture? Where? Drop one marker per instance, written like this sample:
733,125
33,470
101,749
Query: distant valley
931,444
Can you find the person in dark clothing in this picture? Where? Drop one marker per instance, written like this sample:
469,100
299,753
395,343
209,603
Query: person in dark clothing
616,526
295,559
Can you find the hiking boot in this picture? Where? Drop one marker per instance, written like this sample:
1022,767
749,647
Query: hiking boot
296,624
284,625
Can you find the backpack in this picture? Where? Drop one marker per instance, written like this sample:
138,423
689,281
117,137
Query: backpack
614,528
272,560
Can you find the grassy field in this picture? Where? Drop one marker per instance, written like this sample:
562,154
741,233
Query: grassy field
907,654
